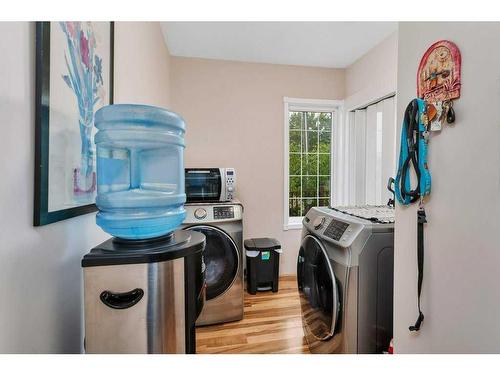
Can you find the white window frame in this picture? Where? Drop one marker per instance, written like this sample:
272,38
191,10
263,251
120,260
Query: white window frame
310,105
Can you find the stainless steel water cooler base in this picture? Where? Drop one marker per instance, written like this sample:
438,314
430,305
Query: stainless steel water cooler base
154,325
143,307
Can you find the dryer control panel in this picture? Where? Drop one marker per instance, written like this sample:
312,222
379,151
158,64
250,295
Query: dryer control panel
336,229
332,226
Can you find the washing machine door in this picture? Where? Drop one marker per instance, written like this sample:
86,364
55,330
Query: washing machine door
319,296
221,260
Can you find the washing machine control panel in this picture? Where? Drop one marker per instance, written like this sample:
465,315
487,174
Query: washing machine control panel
197,213
224,212
336,229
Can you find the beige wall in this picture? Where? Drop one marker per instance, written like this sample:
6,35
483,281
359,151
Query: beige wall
461,294
370,78
374,75
40,273
142,64
234,116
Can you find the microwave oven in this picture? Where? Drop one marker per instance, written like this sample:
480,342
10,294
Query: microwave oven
209,184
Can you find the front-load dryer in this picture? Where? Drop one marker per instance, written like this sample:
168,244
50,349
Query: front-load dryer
222,225
345,279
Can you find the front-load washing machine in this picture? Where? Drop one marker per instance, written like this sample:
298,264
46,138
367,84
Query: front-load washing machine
222,225
345,279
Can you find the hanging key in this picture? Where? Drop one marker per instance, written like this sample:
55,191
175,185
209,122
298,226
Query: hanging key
450,114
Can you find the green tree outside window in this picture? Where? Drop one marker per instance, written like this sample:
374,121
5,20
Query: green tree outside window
310,140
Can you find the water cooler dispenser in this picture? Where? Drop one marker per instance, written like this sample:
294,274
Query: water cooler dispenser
144,287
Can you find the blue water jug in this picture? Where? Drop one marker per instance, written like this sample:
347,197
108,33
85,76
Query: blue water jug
140,171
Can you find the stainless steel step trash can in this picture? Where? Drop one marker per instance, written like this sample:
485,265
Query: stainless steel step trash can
144,296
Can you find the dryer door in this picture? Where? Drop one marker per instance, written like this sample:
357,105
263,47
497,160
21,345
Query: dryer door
319,296
221,260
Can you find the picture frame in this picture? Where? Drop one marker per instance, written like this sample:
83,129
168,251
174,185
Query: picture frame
74,78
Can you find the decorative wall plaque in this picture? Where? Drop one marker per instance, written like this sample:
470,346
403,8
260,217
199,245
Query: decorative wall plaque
439,72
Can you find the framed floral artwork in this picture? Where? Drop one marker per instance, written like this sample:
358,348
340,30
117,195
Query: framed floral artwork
74,78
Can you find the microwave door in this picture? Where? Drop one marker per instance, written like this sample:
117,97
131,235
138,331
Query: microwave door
203,185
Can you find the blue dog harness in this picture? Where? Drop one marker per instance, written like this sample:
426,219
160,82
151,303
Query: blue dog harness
413,154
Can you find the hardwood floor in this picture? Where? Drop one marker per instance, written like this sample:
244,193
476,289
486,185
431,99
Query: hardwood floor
271,324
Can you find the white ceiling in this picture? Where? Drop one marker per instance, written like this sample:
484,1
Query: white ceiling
325,44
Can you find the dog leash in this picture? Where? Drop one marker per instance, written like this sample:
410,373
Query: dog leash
413,155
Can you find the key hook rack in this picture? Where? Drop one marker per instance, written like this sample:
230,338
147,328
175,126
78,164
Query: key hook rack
439,82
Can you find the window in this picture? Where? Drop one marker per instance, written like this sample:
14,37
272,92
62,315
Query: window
309,128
